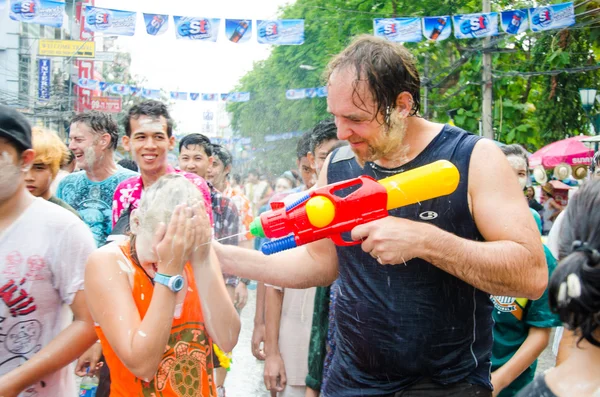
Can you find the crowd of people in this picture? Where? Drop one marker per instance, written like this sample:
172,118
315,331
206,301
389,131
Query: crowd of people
453,296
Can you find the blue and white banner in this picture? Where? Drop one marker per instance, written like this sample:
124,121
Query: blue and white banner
41,12
179,96
281,32
156,23
398,29
236,97
87,83
514,21
210,97
476,26
238,30
119,89
109,22
134,90
322,92
555,16
437,28
44,73
194,96
150,94
2,4
194,28
282,136
103,85
299,93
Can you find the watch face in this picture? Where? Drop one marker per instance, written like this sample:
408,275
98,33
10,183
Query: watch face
177,283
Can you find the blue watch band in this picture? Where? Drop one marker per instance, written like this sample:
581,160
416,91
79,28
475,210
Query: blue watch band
174,283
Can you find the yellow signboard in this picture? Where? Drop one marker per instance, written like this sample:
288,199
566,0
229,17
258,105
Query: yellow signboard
67,48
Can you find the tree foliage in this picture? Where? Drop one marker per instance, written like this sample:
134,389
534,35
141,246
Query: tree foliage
529,109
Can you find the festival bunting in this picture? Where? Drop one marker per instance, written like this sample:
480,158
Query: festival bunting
295,94
179,96
88,83
194,96
2,4
150,94
110,22
156,24
302,93
119,89
103,85
471,26
238,30
398,29
281,32
134,90
555,16
210,97
437,28
236,97
514,21
41,12
44,73
194,28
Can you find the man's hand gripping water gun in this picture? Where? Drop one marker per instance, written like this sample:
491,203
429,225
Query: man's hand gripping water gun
322,214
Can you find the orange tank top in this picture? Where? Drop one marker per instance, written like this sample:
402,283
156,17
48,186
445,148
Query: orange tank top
186,369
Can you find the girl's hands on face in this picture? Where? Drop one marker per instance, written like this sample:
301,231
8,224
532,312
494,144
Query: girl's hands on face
202,233
173,244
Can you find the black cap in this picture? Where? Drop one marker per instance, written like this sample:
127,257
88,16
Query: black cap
15,127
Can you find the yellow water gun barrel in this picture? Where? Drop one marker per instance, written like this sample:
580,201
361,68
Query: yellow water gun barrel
430,181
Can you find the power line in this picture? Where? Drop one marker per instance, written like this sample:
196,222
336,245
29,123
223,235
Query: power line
547,72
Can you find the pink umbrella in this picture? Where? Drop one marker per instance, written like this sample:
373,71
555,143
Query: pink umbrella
571,151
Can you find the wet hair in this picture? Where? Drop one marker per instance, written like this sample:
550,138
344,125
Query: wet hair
574,287
49,149
223,154
129,164
303,146
516,150
100,123
324,131
595,162
151,108
68,159
196,140
387,68
287,175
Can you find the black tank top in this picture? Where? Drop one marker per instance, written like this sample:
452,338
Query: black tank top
398,324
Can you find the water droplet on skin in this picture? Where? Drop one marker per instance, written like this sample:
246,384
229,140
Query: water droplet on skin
120,318
142,334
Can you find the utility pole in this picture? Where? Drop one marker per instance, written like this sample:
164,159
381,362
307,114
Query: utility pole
426,88
486,108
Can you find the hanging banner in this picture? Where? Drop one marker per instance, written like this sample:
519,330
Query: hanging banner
238,30
103,85
236,97
299,93
44,71
156,24
179,96
67,48
471,26
2,4
322,92
119,89
133,91
194,96
193,28
514,21
41,12
109,22
150,94
281,32
556,16
87,83
437,28
398,29
210,97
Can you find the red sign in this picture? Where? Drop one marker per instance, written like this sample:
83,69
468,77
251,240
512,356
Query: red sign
85,67
105,104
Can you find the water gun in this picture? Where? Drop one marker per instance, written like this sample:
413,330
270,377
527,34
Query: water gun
331,210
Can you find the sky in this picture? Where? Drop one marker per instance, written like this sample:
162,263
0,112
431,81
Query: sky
191,66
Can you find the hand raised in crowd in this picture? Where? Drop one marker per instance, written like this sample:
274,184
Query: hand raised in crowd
201,224
173,244
241,296
90,359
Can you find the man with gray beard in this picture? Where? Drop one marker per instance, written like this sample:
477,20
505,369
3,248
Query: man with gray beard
93,138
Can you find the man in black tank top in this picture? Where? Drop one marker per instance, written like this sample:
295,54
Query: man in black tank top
413,313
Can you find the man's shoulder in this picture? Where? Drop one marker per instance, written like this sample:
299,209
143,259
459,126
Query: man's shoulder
73,177
130,181
52,213
124,174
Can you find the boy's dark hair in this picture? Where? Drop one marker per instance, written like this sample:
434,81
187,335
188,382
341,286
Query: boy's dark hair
223,154
303,146
150,108
324,131
574,288
196,140
252,171
129,164
100,123
237,179
69,158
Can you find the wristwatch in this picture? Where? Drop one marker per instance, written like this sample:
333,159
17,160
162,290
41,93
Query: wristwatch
174,283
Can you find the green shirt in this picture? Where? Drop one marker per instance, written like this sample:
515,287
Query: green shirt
59,202
510,332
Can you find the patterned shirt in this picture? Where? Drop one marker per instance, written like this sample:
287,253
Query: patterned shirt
244,208
226,223
92,200
129,193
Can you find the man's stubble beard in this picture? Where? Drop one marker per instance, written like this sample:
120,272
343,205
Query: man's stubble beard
389,142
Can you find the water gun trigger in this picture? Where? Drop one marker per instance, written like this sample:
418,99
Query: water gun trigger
339,241
275,205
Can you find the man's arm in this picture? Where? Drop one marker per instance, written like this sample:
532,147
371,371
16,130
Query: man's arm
62,350
511,262
535,343
275,377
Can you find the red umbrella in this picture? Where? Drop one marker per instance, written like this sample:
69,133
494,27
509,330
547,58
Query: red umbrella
571,151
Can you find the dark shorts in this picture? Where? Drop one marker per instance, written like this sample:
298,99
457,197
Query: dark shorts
426,387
